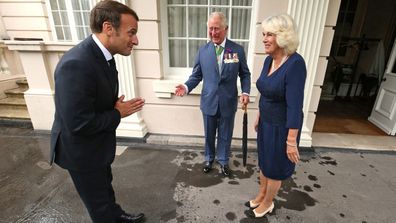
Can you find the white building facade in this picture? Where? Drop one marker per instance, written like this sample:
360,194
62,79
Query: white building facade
36,33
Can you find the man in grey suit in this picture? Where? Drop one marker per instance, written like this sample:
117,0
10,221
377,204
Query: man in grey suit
88,110
218,63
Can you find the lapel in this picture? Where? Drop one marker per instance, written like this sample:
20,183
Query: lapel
112,78
211,59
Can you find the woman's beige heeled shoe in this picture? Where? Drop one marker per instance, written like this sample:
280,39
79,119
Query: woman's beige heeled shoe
250,204
254,214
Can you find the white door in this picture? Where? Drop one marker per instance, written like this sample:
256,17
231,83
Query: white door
383,113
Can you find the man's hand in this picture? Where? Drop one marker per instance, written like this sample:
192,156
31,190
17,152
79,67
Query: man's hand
244,99
127,108
180,90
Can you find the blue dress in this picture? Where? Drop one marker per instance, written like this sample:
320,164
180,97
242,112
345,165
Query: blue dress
280,106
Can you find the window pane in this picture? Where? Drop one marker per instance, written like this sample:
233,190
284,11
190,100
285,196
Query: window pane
177,22
177,53
62,5
54,4
87,31
77,18
59,33
240,23
193,47
198,2
176,2
66,30
56,16
220,2
86,18
242,2
85,4
80,33
76,4
65,19
197,22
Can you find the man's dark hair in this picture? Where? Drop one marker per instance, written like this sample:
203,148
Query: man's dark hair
109,11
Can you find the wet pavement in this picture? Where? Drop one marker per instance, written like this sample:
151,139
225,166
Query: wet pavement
167,184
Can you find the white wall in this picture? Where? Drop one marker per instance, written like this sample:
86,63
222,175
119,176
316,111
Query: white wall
25,19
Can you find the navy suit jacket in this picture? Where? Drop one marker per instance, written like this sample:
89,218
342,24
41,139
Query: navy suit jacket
83,133
220,89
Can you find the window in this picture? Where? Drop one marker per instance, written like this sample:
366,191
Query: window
71,18
187,28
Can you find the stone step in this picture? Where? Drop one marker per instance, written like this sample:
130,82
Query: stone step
16,123
22,83
11,113
15,93
13,103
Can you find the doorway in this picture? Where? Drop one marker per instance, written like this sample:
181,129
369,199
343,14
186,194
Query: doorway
362,43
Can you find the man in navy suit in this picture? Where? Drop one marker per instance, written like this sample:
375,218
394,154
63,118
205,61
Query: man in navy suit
218,63
88,110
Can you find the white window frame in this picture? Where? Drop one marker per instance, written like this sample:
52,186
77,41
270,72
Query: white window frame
180,73
70,14
72,23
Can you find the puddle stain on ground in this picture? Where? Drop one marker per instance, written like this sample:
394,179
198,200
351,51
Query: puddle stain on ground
230,216
317,186
308,188
326,160
293,199
233,182
190,175
312,177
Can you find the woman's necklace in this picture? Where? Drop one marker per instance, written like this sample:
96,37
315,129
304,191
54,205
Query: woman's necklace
273,68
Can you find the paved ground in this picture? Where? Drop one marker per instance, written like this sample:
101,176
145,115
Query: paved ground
166,183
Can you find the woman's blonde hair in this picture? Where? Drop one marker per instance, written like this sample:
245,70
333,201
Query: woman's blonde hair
285,30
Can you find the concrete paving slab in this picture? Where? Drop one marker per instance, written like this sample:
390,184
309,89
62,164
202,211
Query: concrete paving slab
167,184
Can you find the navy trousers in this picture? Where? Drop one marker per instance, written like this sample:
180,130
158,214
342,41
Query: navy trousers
96,191
224,126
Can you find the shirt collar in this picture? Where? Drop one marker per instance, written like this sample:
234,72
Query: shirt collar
223,43
105,51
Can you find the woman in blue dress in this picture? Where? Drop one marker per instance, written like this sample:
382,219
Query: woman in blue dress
279,120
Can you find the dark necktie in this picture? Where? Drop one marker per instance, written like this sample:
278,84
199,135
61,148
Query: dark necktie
112,66
114,74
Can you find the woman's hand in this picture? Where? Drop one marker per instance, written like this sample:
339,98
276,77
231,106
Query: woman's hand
292,152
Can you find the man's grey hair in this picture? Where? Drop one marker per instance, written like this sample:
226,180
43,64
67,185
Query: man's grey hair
223,18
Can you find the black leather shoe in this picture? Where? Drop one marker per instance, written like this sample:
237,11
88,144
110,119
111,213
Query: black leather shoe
225,170
207,166
130,218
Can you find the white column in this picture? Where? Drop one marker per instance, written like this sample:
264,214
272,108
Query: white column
131,126
39,98
310,17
